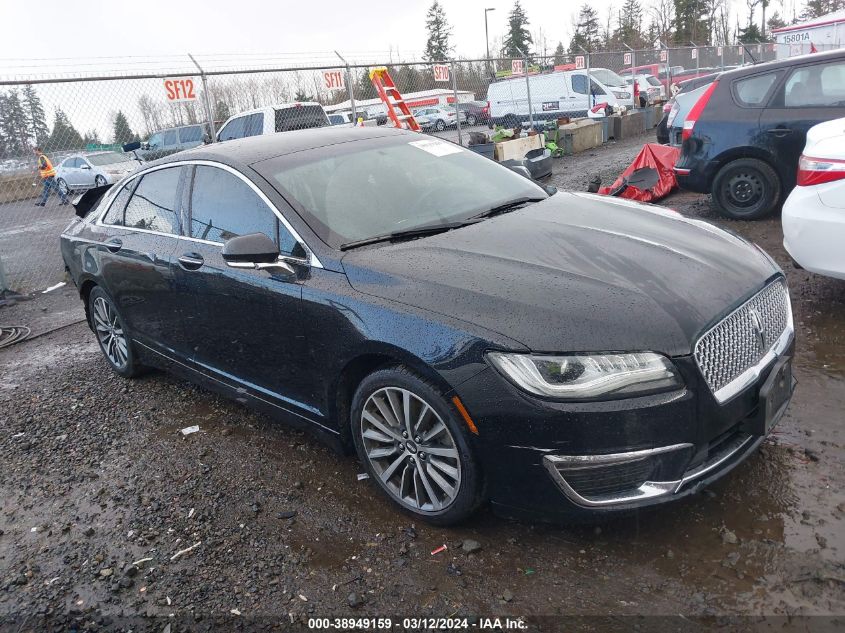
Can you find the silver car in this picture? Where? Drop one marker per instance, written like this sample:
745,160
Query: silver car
438,118
84,171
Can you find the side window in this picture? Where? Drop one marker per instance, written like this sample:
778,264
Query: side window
597,89
224,206
579,84
753,90
191,134
233,129
254,124
170,138
153,204
819,85
115,213
156,140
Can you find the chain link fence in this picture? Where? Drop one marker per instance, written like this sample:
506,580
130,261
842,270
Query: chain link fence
82,123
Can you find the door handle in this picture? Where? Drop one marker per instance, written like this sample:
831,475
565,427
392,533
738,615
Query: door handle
191,261
779,131
114,245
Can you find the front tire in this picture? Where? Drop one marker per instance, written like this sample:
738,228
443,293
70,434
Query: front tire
62,185
471,120
746,189
111,334
414,446
100,181
440,125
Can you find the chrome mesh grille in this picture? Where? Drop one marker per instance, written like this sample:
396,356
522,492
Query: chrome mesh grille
742,338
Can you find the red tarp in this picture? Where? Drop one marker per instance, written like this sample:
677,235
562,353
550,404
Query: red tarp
661,158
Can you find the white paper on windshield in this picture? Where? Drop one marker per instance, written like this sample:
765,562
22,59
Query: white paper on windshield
435,147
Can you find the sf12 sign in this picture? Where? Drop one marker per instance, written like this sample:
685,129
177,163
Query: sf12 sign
441,72
180,89
333,80
579,62
627,59
516,67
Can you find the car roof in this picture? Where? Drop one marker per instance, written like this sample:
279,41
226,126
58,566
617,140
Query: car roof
275,106
783,63
257,148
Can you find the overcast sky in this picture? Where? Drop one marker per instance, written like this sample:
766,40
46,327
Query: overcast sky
88,28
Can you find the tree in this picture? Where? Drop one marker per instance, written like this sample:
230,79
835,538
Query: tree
36,120
64,135
14,124
92,137
518,39
775,22
437,47
750,34
122,132
560,54
586,31
629,28
817,8
221,110
691,24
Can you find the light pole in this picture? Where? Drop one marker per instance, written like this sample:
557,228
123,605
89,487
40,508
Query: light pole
487,37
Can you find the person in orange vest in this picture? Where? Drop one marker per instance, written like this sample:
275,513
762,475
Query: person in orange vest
48,177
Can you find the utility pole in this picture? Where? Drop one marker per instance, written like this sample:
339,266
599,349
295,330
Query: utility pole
487,40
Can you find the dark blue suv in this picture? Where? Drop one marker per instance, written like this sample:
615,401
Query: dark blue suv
743,138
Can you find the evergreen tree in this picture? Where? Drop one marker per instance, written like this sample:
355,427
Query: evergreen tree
35,118
301,95
560,54
221,110
518,39
691,23
629,28
437,47
14,125
92,137
122,132
750,34
775,22
64,135
586,31
817,8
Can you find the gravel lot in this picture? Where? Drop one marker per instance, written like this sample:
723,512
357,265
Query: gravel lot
274,527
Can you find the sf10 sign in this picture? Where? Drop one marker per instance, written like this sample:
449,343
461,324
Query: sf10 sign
180,89
579,62
517,67
441,72
333,80
627,59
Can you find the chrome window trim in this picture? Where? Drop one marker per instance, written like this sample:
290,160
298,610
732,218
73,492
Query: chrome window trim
750,375
311,259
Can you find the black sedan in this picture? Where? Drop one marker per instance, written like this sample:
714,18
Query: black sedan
470,335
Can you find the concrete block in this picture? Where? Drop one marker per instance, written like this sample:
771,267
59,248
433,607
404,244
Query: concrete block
628,125
582,135
518,147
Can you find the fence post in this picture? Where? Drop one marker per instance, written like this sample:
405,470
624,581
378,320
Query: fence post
209,112
695,48
589,79
3,286
455,94
349,88
722,57
635,83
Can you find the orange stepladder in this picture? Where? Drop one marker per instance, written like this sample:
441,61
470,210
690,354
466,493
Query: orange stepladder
397,109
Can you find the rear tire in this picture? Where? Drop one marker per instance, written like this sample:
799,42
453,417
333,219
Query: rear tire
471,120
111,333
61,183
440,488
440,125
746,189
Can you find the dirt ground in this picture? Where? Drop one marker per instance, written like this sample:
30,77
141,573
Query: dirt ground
274,528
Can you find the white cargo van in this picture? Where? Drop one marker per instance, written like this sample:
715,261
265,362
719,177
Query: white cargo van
554,95
278,118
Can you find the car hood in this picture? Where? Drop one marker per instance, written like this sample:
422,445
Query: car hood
575,272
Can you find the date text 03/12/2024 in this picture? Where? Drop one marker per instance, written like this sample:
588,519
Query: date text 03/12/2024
371,623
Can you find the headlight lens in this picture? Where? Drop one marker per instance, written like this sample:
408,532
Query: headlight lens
588,376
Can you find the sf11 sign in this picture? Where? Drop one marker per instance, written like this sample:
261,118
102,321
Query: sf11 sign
441,72
516,67
579,62
180,89
333,80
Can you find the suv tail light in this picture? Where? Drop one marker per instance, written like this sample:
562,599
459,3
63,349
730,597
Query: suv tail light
486,108
697,109
816,171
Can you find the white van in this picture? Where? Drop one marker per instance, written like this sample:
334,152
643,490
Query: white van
554,95
278,118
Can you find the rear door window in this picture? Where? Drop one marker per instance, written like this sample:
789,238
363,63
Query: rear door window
300,118
191,134
753,91
170,138
233,129
153,203
579,84
254,124
115,213
816,86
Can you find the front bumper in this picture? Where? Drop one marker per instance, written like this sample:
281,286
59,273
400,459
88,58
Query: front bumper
562,461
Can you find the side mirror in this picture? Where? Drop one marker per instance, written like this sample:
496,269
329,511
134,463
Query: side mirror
521,170
206,138
131,147
145,146
85,166
255,251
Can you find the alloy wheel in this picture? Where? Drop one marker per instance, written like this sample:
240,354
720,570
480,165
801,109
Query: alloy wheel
63,186
99,181
744,188
110,333
410,449
440,126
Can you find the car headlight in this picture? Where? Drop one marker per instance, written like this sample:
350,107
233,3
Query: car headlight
588,376
621,95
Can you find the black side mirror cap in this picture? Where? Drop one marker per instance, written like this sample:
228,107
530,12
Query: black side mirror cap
254,248
131,147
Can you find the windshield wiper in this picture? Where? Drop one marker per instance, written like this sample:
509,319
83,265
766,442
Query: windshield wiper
419,231
510,205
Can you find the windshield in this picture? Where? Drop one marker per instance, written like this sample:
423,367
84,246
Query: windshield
653,80
608,77
358,190
107,158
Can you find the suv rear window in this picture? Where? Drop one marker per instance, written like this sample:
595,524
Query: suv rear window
191,134
752,91
300,118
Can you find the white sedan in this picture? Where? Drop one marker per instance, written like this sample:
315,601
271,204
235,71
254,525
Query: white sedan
84,171
814,213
